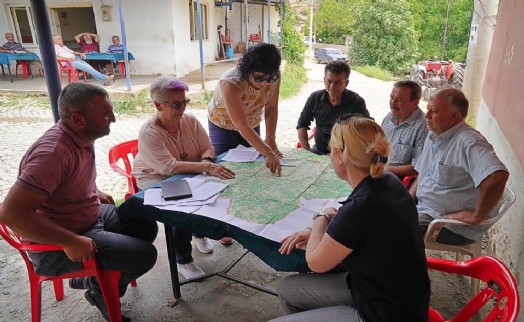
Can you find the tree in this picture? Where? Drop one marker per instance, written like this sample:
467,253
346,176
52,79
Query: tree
429,21
293,44
333,21
383,35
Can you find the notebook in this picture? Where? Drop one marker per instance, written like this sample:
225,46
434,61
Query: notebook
174,190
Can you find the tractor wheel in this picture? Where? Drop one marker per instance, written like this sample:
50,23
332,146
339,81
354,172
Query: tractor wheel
419,77
458,77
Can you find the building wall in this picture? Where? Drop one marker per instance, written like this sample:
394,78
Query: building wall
500,119
158,32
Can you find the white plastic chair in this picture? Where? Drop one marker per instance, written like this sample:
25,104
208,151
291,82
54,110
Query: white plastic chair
472,250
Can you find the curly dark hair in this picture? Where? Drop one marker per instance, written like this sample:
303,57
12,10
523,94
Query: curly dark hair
338,67
262,58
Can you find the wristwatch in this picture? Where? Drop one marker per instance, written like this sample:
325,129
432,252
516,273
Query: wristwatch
320,214
210,159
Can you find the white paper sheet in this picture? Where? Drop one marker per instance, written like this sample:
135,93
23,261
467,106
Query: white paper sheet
241,154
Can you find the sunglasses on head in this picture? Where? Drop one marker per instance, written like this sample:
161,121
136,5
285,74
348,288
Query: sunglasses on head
178,104
350,115
266,78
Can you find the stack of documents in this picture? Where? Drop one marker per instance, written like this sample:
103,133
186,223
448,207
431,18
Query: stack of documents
241,154
203,193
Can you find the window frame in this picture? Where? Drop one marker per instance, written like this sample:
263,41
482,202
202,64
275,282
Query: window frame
193,20
16,25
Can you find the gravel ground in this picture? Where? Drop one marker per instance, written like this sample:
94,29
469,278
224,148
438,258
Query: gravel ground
215,299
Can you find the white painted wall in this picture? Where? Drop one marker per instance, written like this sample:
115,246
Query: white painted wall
506,240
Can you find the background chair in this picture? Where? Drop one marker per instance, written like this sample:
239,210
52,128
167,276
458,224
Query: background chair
309,138
121,152
25,68
65,65
500,296
108,279
122,67
472,250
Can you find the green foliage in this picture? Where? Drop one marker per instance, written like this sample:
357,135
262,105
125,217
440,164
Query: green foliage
429,20
293,47
293,77
383,35
134,105
375,72
332,21
201,102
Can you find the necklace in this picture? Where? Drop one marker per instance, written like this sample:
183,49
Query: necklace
177,138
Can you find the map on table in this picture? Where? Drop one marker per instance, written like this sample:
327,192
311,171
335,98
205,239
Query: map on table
274,207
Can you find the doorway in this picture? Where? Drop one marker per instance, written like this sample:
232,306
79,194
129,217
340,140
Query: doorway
69,22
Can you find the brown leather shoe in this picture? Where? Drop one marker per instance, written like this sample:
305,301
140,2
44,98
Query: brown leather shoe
226,241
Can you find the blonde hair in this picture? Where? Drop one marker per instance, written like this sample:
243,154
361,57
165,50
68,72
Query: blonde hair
363,143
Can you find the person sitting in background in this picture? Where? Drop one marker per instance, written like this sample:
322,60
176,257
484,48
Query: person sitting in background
325,106
242,95
64,53
173,142
12,46
460,176
88,42
55,200
405,127
374,236
116,47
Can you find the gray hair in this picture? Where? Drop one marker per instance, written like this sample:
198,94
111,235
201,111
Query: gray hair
457,99
77,97
9,33
163,85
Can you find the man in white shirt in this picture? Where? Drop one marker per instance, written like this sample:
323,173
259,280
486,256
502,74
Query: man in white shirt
63,52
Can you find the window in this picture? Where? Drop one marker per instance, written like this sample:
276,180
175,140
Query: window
23,23
193,20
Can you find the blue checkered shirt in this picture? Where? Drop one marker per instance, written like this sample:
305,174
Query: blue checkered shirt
451,168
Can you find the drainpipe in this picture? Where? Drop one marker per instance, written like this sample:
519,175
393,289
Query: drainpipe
47,53
200,35
124,42
268,21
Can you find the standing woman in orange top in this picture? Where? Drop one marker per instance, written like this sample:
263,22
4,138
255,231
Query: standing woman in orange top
243,95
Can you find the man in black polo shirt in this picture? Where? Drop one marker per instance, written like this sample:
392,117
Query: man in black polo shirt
327,105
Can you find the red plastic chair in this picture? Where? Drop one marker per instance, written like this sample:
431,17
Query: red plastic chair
65,65
121,152
108,279
500,296
407,181
254,38
122,67
25,68
309,138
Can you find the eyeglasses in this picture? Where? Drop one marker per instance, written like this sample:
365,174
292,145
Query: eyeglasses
266,78
178,104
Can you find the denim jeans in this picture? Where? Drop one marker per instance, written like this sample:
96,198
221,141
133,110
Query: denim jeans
83,66
223,139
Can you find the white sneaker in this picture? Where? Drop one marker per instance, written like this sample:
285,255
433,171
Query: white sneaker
190,270
203,245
